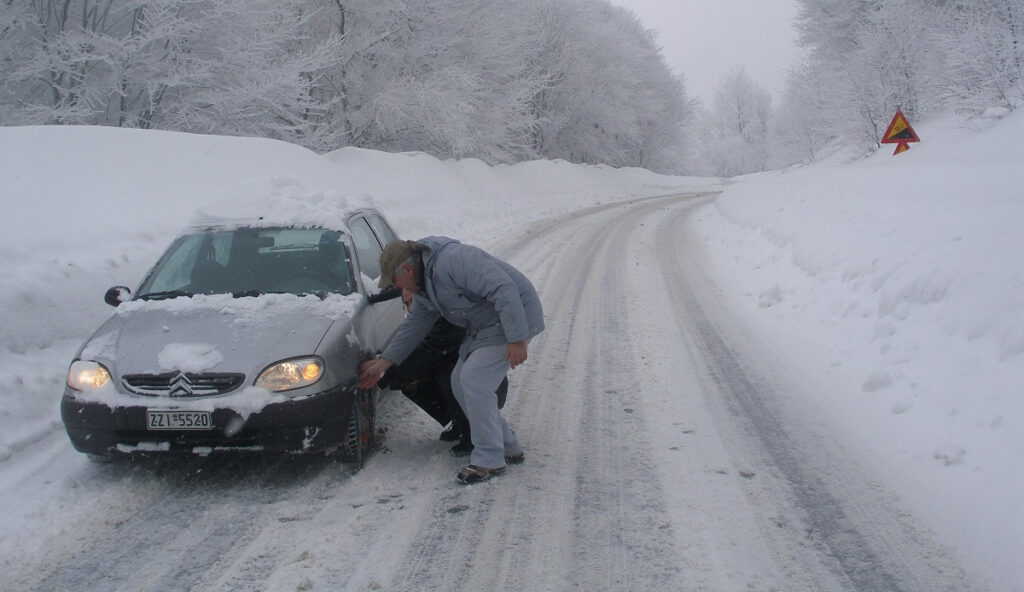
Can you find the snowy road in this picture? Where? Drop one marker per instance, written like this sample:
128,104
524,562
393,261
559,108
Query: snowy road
666,450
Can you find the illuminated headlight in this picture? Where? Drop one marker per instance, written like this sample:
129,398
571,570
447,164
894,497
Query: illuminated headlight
85,375
291,374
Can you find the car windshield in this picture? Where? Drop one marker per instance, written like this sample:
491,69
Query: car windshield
253,261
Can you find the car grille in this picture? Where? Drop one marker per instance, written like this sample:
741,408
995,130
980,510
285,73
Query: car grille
182,384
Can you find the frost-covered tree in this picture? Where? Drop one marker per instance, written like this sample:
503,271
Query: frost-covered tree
241,67
503,81
866,58
984,57
735,130
802,125
257,78
439,76
836,32
572,79
608,95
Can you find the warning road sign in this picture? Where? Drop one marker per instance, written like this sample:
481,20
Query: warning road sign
900,133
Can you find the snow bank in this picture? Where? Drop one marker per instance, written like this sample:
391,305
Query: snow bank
471,200
895,285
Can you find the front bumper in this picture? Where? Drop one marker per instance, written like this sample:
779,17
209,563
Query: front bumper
310,424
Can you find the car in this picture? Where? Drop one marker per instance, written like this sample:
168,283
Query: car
245,336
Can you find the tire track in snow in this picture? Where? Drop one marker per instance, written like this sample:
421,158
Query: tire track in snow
858,533
579,513
622,546
210,512
435,562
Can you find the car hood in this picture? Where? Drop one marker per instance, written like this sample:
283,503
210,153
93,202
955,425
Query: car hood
216,335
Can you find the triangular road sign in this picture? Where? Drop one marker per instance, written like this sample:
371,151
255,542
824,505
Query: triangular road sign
899,132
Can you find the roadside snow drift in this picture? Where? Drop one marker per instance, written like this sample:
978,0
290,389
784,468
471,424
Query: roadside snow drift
894,285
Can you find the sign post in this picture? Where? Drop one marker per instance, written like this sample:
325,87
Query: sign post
900,133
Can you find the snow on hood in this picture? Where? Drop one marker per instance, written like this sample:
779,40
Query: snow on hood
215,333
218,332
189,357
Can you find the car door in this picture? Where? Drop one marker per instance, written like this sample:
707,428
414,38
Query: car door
381,228
384,317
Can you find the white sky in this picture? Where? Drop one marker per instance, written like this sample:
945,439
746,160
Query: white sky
703,39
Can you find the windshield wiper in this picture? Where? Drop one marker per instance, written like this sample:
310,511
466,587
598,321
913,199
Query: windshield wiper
165,295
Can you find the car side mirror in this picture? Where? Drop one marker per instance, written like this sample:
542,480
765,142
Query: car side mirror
384,295
116,295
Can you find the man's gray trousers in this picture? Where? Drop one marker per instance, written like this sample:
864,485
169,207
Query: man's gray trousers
474,381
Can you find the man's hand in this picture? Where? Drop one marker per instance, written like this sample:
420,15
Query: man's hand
372,371
516,353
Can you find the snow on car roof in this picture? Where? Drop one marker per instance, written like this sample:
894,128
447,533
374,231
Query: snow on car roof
278,201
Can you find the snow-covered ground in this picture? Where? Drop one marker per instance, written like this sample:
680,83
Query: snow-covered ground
891,287
894,287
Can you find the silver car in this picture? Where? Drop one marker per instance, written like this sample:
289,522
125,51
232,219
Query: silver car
242,337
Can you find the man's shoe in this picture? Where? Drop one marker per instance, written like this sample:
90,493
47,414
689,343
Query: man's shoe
463,448
515,459
474,474
450,435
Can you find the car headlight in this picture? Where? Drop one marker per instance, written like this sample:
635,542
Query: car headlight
291,374
86,375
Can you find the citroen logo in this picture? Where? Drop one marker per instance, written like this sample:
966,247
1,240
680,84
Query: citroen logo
180,386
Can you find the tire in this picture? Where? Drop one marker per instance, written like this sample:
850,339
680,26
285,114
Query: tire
360,429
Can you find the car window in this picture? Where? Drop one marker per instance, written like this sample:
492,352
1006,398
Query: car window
252,261
173,269
381,227
368,250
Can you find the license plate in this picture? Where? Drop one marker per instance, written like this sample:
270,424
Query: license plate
178,420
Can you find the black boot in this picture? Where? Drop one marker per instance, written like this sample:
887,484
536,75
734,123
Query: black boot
451,434
463,448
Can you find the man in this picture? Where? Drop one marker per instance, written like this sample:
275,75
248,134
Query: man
501,312
425,377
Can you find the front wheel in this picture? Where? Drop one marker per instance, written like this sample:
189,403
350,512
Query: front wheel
359,432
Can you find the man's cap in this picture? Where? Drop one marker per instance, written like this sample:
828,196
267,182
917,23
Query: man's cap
395,254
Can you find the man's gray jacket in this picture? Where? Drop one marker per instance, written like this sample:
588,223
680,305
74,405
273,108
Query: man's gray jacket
492,300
